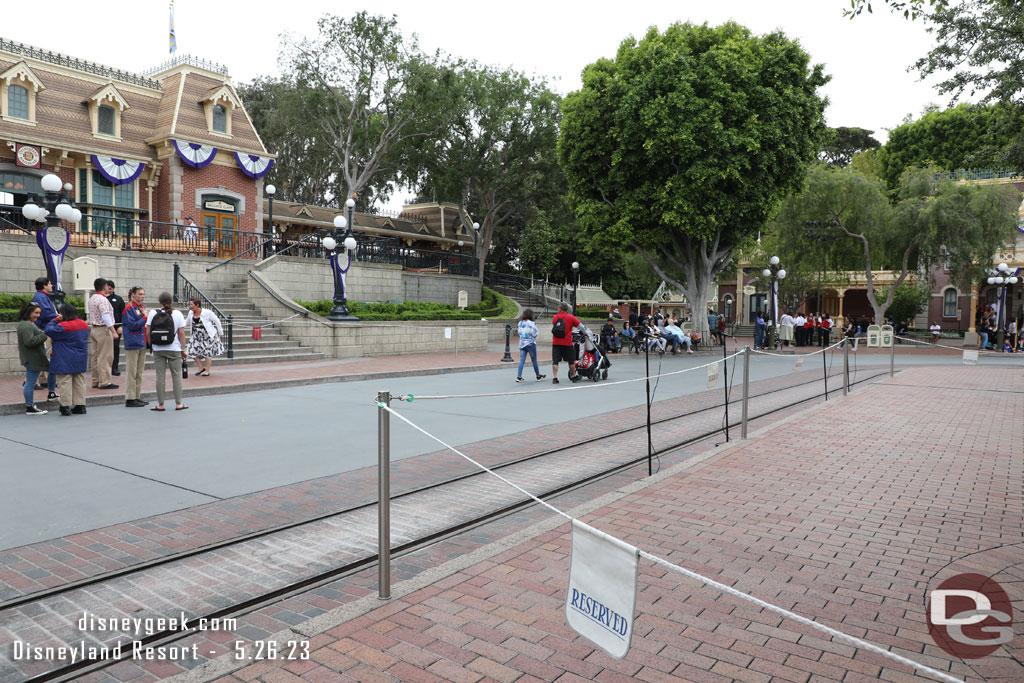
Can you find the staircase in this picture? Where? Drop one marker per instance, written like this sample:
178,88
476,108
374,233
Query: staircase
273,347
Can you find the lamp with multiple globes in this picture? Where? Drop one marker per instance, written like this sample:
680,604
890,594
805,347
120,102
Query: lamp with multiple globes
341,236
50,210
774,273
1004,279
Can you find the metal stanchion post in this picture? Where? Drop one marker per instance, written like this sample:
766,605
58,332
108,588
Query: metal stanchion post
725,386
846,369
231,337
383,497
507,358
746,391
892,356
650,442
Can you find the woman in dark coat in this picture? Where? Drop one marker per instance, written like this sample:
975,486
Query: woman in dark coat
32,354
70,361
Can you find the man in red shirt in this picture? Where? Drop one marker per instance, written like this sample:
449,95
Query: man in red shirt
561,347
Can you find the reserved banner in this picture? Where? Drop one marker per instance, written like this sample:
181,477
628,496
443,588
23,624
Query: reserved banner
601,599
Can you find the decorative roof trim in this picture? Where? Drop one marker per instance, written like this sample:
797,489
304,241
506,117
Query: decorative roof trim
108,92
222,93
21,71
79,65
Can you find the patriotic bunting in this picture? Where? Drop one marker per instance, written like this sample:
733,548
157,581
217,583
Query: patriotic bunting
118,171
195,154
254,166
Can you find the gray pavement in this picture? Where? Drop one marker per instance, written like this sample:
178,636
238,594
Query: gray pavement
115,465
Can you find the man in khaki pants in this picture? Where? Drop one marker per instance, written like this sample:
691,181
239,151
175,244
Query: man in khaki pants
102,334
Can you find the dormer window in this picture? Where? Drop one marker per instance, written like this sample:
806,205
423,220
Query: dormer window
220,119
105,120
219,105
18,89
106,107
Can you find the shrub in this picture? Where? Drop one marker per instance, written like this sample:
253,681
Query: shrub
10,305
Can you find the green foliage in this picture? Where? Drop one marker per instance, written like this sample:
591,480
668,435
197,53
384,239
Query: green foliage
844,143
684,144
908,301
492,305
592,312
966,136
10,305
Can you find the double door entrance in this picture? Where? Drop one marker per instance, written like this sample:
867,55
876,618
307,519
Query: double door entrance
220,232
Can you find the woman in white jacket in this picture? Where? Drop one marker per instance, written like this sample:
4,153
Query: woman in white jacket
205,330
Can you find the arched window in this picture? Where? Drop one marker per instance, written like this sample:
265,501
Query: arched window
220,118
949,301
105,120
17,102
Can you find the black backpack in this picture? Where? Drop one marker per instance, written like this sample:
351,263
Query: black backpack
558,329
161,330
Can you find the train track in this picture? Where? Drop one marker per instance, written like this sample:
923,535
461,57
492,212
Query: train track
543,462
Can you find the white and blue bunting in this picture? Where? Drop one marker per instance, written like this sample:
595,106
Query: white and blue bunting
254,166
118,171
195,154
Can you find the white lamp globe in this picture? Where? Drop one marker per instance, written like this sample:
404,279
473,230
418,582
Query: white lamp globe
350,202
350,243
340,223
774,260
51,183
1013,279
998,279
76,216
68,187
63,211
29,211
329,243
1002,266
270,189
41,215
991,280
476,226
461,244
766,272
782,274
575,265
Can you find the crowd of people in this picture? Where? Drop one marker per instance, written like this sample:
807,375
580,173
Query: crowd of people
986,323
57,347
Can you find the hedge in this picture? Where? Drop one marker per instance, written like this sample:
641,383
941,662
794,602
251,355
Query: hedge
10,305
492,305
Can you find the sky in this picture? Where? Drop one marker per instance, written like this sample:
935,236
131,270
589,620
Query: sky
554,39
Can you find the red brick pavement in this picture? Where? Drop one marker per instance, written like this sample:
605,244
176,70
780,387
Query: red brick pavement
917,477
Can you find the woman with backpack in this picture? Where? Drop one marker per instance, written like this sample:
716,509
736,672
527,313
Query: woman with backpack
165,328
528,344
70,335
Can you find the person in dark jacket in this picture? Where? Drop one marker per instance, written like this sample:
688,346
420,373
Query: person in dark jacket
133,326
70,361
32,354
47,312
118,304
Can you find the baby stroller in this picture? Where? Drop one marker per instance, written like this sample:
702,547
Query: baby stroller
591,363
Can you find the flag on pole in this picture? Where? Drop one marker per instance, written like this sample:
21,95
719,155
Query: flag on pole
173,41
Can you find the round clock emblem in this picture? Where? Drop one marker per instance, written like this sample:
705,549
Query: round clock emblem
57,238
28,156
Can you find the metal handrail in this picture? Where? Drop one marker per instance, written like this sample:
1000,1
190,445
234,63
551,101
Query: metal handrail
240,254
290,306
4,221
190,291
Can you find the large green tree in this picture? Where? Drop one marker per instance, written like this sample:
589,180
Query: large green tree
843,142
381,94
933,220
684,144
496,155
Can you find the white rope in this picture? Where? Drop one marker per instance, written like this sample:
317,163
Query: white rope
699,577
260,323
587,386
805,355
952,348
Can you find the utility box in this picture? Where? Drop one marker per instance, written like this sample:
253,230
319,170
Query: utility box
874,335
84,271
886,336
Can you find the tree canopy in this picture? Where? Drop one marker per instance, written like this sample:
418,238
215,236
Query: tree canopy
684,144
844,142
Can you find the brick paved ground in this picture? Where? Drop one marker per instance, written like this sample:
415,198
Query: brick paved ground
917,477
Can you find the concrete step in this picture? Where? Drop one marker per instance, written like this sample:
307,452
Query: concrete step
303,355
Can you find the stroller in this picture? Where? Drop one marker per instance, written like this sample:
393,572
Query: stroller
591,363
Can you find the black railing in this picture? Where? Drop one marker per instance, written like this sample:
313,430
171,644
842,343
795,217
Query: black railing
131,234
185,291
78,64
550,294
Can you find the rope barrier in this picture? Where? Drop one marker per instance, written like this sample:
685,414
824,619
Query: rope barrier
805,355
863,644
588,386
952,348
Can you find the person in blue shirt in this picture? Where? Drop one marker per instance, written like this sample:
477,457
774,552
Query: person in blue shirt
528,345
47,312
759,326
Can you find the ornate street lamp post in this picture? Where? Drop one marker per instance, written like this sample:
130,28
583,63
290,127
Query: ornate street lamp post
1005,280
341,236
270,190
576,278
52,238
476,249
775,273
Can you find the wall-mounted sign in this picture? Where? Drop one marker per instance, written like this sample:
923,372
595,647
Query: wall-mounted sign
218,205
28,156
749,289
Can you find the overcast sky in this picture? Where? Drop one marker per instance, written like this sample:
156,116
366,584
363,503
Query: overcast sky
867,57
